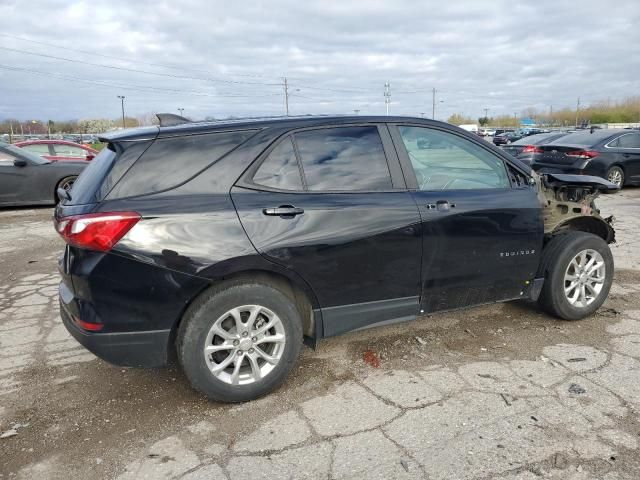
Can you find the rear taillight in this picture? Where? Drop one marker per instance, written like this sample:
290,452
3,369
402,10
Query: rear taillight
96,231
531,149
583,154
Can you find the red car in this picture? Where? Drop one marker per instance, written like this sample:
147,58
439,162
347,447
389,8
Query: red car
58,150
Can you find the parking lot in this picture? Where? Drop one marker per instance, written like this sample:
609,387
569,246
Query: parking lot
501,391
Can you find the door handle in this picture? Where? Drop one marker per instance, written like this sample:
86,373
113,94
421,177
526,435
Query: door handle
441,205
284,211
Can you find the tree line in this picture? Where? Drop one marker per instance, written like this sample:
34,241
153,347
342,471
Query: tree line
605,111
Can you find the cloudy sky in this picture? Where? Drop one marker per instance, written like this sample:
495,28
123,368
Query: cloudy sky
64,59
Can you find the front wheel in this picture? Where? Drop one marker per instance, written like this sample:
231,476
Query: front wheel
578,272
240,341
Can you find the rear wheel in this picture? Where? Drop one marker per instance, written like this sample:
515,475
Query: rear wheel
616,175
578,272
239,342
66,183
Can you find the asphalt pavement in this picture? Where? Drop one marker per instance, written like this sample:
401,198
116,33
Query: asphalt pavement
495,392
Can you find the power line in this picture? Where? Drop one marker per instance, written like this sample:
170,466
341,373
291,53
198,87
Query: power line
142,62
129,86
114,67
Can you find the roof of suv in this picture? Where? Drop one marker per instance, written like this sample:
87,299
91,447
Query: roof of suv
263,122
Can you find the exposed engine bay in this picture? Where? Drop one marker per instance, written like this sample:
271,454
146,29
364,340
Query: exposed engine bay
569,203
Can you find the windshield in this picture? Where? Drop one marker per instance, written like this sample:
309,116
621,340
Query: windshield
21,152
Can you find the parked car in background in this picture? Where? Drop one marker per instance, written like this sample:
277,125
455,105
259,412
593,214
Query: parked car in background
277,229
28,179
506,138
526,149
59,150
613,154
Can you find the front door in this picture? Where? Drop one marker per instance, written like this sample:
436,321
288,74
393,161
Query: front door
482,235
14,180
328,204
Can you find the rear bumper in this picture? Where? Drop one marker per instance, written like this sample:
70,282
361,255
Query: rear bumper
127,349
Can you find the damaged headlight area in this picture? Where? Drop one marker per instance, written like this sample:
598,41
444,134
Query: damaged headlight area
569,204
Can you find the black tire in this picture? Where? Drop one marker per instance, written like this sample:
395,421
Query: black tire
65,181
612,172
203,313
556,256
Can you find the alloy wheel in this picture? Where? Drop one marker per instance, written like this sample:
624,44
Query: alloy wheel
244,345
615,176
584,278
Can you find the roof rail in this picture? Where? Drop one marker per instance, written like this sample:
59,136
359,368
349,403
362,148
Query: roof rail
171,119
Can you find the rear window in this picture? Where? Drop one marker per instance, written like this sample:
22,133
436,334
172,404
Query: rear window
169,162
584,138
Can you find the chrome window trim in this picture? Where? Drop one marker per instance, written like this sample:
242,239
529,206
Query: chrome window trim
623,135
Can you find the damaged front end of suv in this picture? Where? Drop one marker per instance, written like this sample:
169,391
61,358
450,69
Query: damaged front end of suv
569,204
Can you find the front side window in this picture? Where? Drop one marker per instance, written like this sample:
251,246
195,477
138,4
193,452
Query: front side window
6,158
343,159
38,148
280,169
444,161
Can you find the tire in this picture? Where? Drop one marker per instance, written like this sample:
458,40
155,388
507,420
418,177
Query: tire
616,175
66,183
255,376
556,267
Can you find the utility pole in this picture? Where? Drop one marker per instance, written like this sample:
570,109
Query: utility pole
286,96
551,115
181,110
422,114
11,132
433,104
121,97
486,113
356,111
577,111
387,96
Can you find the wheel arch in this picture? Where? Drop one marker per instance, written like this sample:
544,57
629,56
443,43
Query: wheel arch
295,288
596,226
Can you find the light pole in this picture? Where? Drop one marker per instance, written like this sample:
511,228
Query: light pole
181,110
121,97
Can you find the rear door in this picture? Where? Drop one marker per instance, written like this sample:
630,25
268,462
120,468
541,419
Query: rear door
627,149
481,220
331,204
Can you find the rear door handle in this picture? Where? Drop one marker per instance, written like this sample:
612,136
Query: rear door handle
441,205
284,211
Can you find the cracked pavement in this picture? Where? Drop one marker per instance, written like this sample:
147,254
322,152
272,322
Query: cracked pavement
497,392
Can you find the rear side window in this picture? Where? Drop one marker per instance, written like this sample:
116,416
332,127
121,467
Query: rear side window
169,162
280,169
630,140
343,158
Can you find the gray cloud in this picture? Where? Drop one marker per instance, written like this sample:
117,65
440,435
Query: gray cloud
337,55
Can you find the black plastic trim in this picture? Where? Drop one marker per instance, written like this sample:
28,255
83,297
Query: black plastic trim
344,318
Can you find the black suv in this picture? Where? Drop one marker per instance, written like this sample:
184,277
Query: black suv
233,241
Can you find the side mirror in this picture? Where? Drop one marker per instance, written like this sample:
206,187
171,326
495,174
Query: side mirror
20,162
